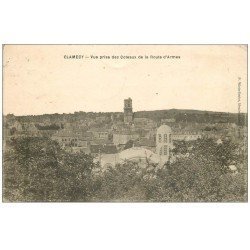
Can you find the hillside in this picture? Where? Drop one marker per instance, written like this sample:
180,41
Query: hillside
180,115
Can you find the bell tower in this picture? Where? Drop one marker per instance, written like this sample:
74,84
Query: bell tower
128,110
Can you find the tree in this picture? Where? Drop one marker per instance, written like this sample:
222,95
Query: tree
129,144
36,169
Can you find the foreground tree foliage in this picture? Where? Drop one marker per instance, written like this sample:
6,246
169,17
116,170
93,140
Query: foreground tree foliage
37,169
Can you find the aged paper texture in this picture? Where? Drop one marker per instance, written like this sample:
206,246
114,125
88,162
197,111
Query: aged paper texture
125,123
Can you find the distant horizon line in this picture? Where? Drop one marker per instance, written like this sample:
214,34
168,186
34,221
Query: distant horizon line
123,112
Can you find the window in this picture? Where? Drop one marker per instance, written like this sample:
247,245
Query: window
165,138
165,150
170,138
159,137
160,151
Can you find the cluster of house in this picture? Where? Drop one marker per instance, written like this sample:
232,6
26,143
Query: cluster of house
132,138
114,139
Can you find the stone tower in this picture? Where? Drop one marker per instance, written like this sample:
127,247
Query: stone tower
164,143
128,110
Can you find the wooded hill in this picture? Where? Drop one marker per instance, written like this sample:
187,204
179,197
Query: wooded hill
180,115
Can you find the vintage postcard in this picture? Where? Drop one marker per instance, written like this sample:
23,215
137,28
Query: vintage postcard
125,123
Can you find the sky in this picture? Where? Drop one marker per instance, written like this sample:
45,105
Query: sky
38,79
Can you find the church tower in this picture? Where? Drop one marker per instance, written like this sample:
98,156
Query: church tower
128,110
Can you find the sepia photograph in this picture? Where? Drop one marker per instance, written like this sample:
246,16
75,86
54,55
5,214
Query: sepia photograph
125,123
